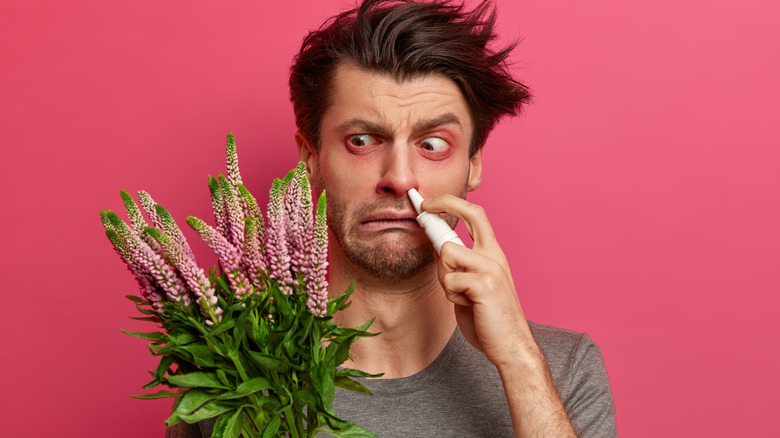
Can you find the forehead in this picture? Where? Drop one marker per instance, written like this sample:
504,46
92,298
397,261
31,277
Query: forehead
367,95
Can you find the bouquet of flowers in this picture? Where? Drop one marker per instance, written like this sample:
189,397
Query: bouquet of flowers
252,342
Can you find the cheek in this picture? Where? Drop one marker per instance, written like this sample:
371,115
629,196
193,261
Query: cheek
339,177
441,179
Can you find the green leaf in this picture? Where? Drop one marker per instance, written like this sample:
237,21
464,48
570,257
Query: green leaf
351,385
269,362
340,302
341,351
163,366
222,377
228,425
145,311
146,318
156,395
200,327
349,372
196,380
188,403
363,327
222,327
249,387
135,298
272,427
201,354
181,337
152,336
155,382
218,431
235,427
351,431
209,410
325,382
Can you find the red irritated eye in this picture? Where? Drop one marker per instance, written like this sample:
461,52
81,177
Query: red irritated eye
434,144
361,140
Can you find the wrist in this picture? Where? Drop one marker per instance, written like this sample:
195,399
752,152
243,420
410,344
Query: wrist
524,352
526,360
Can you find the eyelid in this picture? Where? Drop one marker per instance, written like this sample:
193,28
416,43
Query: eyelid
443,145
371,139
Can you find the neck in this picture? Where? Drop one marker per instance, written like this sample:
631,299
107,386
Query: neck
413,316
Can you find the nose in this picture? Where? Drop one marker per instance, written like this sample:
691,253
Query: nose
398,174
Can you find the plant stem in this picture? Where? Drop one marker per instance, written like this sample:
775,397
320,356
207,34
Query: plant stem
239,366
299,425
291,423
252,427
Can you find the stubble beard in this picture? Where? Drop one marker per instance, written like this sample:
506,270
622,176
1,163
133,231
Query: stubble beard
392,260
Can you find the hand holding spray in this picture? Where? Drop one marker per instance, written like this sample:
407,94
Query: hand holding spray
435,227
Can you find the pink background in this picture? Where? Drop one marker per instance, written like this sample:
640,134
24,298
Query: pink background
637,199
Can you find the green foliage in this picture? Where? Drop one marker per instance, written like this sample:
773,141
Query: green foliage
270,368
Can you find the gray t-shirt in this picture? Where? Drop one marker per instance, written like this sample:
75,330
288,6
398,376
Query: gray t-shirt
461,395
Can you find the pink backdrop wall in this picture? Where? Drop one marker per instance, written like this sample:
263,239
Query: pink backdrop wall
637,199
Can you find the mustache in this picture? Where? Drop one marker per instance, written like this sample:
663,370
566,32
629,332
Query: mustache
368,208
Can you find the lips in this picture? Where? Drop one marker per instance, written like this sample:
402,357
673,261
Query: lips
386,220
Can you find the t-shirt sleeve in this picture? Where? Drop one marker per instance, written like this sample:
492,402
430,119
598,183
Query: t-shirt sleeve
588,396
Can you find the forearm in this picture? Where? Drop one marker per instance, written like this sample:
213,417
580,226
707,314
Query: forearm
534,405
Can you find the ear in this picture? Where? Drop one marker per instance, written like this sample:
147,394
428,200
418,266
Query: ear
306,153
475,171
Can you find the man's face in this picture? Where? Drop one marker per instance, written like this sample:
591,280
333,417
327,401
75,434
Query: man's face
380,138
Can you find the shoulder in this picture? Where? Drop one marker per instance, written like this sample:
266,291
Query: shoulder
578,372
570,356
554,337
560,345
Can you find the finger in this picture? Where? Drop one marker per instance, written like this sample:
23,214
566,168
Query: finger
454,257
479,287
456,288
473,216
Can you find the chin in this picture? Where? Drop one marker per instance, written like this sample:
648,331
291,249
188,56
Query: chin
393,260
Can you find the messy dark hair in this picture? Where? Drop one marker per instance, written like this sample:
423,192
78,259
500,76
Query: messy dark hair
407,39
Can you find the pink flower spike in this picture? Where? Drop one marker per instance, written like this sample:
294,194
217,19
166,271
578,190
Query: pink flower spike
300,226
148,260
253,260
234,211
193,274
317,263
232,161
145,281
296,238
137,220
276,251
148,205
252,210
218,204
228,254
172,230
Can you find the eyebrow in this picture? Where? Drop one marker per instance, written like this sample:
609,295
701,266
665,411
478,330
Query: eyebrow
444,119
363,126
424,125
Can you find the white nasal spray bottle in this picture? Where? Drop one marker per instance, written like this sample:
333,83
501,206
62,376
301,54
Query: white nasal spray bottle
435,227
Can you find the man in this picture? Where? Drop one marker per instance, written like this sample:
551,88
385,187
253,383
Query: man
399,95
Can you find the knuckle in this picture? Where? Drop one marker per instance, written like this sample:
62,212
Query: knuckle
488,282
446,282
476,210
